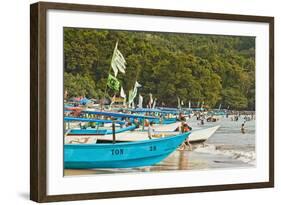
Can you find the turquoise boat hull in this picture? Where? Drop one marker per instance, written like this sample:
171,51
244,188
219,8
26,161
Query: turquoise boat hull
93,131
121,155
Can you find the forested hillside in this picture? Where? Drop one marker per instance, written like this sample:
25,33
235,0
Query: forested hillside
210,68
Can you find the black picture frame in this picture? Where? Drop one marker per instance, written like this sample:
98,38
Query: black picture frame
38,102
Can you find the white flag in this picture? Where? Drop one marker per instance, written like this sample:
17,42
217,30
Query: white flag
189,104
137,85
133,94
179,103
154,103
140,101
150,100
133,105
122,93
118,62
130,100
124,101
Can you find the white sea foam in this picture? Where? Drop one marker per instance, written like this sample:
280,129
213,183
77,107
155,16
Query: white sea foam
248,157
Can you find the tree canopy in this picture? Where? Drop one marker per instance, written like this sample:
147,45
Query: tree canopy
215,69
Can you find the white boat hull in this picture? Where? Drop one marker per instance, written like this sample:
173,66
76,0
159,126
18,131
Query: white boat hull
199,135
202,135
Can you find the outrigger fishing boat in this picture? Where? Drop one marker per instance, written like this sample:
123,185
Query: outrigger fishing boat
94,131
196,136
123,116
105,130
118,115
121,155
163,117
97,130
92,153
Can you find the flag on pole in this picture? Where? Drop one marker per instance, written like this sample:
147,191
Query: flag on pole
130,100
113,83
122,93
189,104
179,102
133,93
118,62
150,100
220,107
154,103
137,85
140,101
133,105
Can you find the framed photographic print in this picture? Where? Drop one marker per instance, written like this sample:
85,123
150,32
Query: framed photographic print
135,102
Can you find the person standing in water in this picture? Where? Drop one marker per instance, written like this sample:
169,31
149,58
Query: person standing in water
185,128
243,128
202,120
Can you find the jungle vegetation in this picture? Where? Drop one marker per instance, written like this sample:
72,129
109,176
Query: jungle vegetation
215,69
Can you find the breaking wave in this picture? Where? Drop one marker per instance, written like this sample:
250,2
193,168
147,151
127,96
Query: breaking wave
248,156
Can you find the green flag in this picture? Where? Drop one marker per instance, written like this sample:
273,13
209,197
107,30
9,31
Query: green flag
113,83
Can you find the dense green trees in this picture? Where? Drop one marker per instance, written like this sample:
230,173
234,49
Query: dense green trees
210,68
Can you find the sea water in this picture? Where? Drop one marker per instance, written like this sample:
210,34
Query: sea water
228,147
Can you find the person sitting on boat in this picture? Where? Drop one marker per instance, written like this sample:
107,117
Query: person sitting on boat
146,122
185,127
182,117
92,124
136,122
82,126
127,122
150,130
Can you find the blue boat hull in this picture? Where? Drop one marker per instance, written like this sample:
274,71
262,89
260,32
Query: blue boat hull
121,155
